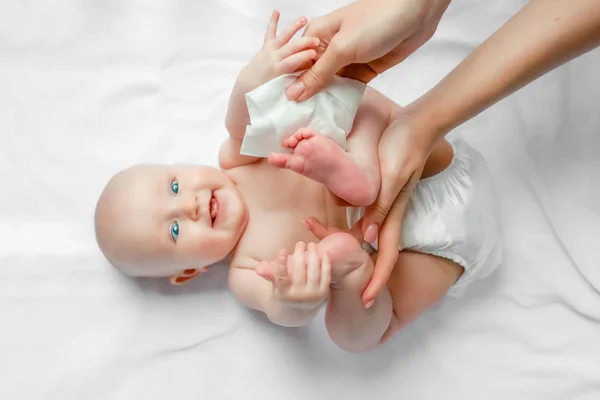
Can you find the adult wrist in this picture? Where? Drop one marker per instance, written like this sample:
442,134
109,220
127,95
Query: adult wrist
426,121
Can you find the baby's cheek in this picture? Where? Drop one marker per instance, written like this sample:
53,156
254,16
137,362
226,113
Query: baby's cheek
198,249
194,249
216,248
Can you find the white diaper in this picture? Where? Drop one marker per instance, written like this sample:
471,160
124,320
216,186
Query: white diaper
452,215
274,118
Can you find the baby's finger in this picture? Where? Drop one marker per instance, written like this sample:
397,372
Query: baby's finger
281,274
313,270
295,61
325,271
290,31
265,269
299,268
298,45
272,27
281,257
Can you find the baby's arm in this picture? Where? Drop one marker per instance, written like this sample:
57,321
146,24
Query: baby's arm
279,55
289,290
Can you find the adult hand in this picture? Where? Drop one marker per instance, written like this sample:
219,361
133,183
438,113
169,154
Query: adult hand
365,38
403,149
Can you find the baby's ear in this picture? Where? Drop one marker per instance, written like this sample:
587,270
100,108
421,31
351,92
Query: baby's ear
186,275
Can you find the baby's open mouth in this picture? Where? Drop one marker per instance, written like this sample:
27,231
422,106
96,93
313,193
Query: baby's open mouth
214,209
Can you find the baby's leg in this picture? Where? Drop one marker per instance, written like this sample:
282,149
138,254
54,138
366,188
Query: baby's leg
349,324
417,283
352,175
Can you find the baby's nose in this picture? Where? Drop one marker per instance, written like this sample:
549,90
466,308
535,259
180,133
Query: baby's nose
191,208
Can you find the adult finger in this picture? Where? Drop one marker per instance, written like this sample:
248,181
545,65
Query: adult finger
388,245
376,213
390,239
359,72
320,74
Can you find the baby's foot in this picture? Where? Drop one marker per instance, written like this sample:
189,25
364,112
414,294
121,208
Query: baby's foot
320,159
345,256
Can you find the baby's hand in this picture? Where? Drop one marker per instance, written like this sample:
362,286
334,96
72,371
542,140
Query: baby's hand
301,279
279,54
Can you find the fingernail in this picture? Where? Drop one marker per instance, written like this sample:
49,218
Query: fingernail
369,304
295,90
301,20
371,233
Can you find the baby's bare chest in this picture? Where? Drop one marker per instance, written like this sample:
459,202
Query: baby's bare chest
278,201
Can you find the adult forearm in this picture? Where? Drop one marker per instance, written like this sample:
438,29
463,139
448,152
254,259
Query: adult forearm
542,36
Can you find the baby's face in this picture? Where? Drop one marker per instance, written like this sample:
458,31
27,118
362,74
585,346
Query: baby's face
159,220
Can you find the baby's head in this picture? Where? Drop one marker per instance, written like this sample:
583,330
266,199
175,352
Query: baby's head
169,220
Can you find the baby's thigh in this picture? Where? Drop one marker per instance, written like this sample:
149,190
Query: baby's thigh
417,283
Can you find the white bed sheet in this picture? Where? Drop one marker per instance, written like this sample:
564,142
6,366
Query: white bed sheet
89,87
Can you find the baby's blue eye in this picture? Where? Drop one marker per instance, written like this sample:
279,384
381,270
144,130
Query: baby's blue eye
174,186
175,231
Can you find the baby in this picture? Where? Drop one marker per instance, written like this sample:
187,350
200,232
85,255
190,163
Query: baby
176,220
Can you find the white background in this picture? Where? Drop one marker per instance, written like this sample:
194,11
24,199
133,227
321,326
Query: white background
90,87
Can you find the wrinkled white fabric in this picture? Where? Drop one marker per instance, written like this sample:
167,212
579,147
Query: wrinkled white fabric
273,117
128,82
453,215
